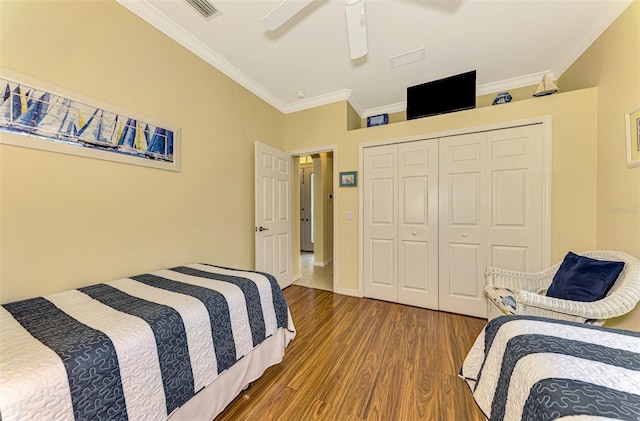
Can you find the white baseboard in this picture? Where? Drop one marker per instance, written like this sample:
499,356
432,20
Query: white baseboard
349,292
322,264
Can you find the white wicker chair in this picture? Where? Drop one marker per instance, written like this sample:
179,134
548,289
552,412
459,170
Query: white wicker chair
529,289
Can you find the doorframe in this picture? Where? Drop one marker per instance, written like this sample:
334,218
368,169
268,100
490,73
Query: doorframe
310,151
547,130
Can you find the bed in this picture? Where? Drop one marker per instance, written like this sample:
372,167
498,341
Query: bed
176,344
533,368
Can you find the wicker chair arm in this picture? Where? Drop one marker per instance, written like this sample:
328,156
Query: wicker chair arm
608,307
502,278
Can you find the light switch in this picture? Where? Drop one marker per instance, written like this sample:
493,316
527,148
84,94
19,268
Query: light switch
349,215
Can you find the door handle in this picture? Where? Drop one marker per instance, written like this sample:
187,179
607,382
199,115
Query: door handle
262,229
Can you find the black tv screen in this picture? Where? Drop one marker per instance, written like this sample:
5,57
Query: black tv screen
441,96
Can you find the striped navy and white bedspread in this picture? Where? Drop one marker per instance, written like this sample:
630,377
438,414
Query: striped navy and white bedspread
532,368
133,349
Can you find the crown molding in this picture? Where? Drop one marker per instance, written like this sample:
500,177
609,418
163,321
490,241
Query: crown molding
356,105
316,101
160,21
609,14
513,83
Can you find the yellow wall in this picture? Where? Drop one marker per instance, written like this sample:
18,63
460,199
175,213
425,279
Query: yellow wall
67,221
573,163
613,64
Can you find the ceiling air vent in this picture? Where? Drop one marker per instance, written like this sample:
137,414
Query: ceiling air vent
205,8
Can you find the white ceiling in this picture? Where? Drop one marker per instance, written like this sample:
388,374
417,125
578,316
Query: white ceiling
511,43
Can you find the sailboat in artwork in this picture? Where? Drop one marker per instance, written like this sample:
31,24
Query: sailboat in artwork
94,135
52,124
160,146
546,87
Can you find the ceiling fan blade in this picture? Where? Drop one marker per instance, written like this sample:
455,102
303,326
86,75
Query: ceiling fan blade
356,28
283,12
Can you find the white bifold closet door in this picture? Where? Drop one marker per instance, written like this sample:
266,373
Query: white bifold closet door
400,211
491,208
437,212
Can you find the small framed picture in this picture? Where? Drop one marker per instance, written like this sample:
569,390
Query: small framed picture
377,120
632,120
348,179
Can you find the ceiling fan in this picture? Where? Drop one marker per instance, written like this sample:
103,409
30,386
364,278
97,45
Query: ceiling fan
354,11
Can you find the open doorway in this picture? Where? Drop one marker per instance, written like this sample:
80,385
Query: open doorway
313,220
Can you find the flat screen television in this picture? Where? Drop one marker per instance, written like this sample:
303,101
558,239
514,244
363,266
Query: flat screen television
441,96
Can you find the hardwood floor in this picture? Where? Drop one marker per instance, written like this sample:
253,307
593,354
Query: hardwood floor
363,359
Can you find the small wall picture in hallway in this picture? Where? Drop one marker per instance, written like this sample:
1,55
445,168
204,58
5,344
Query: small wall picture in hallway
348,179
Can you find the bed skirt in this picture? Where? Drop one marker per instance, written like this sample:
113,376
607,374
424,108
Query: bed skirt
213,399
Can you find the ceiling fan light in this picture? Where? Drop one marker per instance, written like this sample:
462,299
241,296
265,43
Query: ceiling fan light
356,28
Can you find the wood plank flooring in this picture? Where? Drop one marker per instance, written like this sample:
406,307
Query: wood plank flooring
363,359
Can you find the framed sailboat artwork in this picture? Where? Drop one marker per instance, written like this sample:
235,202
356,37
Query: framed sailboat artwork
38,115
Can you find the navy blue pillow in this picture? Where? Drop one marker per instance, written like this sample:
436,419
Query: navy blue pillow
580,278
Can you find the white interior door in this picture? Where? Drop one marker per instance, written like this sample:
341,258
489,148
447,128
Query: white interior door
400,216
463,219
418,223
273,224
380,210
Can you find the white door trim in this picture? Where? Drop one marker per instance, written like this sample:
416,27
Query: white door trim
547,125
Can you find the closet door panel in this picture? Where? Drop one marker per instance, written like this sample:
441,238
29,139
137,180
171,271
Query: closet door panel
514,168
463,218
509,257
382,263
380,219
464,199
464,263
418,223
414,267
